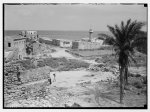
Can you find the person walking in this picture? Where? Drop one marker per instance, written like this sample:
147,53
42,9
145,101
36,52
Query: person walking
49,78
54,75
18,75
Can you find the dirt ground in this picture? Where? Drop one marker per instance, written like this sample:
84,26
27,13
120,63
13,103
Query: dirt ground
81,88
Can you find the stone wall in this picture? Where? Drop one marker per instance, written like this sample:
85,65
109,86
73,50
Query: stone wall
86,45
8,40
56,42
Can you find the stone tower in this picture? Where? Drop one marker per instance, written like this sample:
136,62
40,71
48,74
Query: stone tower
90,35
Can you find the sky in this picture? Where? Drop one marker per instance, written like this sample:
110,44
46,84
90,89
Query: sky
70,17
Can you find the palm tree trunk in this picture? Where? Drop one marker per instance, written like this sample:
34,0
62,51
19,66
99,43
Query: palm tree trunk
121,84
126,75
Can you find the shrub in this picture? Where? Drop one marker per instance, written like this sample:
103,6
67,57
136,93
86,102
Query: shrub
106,47
137,75
131,74
137,84
41,64
27,64
73,64
53,50
51,62
144,80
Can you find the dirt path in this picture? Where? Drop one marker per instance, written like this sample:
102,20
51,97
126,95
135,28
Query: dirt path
60,52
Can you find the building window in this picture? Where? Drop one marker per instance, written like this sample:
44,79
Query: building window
9,44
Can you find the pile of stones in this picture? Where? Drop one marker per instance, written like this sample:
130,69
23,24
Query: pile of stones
35,95
72,105
102,67
14,89
24,92
10,75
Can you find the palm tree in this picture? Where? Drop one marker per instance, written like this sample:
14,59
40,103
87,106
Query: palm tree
123,40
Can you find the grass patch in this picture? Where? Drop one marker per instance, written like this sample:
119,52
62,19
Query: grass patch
27,64
88,53
62,64
73,64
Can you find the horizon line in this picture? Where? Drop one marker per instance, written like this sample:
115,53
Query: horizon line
52,30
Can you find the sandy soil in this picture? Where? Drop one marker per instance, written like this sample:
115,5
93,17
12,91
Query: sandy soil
60,52
71,78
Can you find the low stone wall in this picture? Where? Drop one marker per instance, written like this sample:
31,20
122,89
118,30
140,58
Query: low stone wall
73,53
86,45
104,68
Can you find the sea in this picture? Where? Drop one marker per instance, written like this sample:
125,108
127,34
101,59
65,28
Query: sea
70,35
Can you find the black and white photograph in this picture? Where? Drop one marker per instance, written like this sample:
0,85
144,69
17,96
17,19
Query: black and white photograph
75,55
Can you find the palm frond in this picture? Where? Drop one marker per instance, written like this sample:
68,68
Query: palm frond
112,30
108,39
128,22
134,29
132,59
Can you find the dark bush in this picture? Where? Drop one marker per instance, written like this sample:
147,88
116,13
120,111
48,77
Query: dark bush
67,51
137,84
100,65
27,64
106,48
53,50
144,80
73,64
51,62
41,64
131,74
137,75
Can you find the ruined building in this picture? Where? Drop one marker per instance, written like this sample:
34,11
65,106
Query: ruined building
30,35
87,43
15,47
62,43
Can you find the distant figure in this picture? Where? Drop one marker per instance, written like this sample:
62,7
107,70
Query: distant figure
54,77
18,74
49,79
